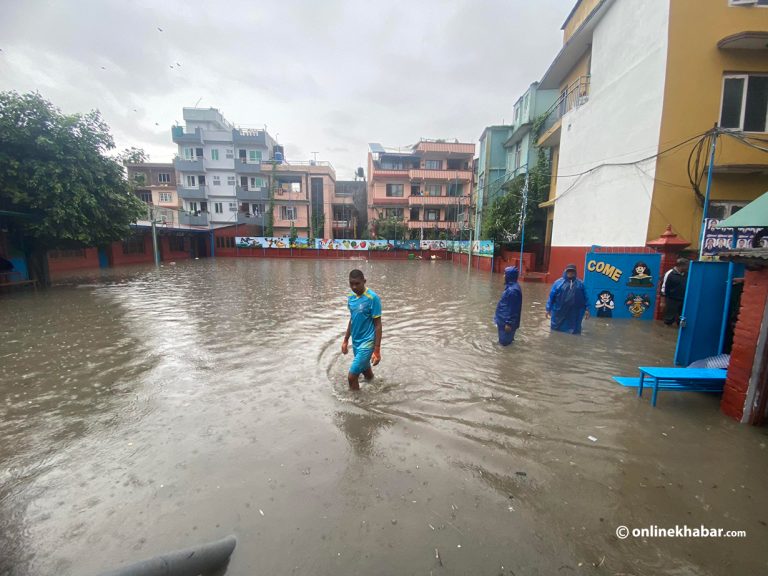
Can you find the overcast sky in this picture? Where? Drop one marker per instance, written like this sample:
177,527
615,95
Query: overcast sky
324,76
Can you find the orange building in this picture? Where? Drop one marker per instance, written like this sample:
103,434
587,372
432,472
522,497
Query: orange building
426,186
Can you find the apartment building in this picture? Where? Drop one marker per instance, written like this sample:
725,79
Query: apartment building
426,186
155,184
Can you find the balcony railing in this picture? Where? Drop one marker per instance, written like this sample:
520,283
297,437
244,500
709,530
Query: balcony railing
442,224
437,200
341,224
245,166
188,164
252,219
189,219
244,193
199,193
424,174
577,94
182,137
249,136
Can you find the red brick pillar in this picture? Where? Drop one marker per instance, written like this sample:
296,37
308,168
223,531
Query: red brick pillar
669,245
753,301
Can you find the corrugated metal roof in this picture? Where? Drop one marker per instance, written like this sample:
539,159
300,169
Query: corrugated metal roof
753,215
754,255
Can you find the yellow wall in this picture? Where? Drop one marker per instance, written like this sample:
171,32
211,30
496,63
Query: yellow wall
693,91
578,17
580,69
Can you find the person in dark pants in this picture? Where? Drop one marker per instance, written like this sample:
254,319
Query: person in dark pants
507,317
673,290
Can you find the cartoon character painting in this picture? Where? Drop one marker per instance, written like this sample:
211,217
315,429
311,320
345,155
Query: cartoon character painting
605,304
641,276
637,304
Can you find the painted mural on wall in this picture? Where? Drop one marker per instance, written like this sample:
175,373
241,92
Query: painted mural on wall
718,240
482,248
341,244
622,285
434,244
263,242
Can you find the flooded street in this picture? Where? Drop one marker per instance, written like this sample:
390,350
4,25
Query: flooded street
143,411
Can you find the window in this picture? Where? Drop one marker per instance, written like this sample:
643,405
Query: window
254,156
191,181
256,182
230,153
214,153
433,189
134,245
217,180
233,206
451,213
164,178
722,210
391,164
395,190
177,244
230,180
257,209
455,188
415,190
414,214
456,164
288,212
225,242
432,215
218,207
433,164
189,154
70,253
518,155
193,207
145,196
745,103
394,213
166,197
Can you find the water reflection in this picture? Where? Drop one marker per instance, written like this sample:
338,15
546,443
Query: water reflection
145,410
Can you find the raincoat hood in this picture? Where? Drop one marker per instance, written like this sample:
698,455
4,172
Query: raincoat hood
511,274
570,267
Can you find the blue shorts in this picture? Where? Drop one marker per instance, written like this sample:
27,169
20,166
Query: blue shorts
362,361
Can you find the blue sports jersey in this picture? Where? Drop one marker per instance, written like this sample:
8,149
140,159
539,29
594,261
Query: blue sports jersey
364,309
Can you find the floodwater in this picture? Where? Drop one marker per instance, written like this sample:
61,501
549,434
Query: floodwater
143,411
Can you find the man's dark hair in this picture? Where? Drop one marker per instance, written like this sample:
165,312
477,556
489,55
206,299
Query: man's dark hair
681,261
357,274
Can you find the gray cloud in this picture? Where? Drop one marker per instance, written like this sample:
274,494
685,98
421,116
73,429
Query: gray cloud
327,76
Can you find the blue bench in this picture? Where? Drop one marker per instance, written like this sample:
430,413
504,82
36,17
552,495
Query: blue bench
681,379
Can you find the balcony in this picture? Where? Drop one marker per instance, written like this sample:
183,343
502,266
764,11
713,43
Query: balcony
246,136
283,195
186,165
389,201
250,219
390,172
199,193
577,94
189,219
182,137
244,166
440,224
244,193
421,174
438,200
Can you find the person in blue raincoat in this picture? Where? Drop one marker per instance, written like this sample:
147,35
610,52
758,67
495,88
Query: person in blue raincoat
507,317
568,304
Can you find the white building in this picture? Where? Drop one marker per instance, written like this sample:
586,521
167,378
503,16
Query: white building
219,170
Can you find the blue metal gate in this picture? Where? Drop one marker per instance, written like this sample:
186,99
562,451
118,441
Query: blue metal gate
705,312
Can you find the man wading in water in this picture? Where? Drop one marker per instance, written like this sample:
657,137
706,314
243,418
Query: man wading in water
364,327
567,305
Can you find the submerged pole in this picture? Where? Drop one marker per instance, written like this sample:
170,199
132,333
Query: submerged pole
154,236
203,559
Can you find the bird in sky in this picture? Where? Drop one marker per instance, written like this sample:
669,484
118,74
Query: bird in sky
159,29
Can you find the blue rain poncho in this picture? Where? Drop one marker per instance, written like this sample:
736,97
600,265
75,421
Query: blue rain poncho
567,303
509,306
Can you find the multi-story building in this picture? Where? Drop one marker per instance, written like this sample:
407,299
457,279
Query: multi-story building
427,186
231,176
347,219
491,169
637,79
155,184
219,166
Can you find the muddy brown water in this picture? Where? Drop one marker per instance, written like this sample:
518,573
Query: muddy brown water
144,410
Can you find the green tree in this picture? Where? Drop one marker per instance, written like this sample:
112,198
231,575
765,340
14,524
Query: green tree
54,168
133,156
389,228
292,235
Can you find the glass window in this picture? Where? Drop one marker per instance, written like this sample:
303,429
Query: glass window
433,164
164,178
230,153
214,153
217,180
433,189
191,181
455,188
254,155
395,190
218,207
230,180
288,212
745,103
233,206
432,215
166,197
